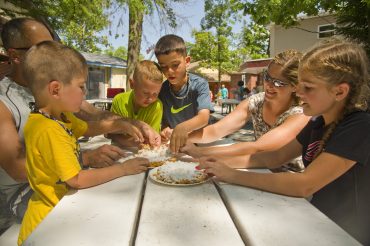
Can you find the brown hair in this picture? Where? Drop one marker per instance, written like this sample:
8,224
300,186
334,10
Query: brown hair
289,60
50,60
148,70
168,44
339,61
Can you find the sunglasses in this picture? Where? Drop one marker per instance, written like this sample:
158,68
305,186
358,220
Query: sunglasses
275,82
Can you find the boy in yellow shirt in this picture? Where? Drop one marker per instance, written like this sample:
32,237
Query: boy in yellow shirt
141,103
185,96
57,76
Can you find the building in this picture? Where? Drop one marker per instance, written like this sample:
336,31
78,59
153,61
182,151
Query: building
211,75
104,72
309,31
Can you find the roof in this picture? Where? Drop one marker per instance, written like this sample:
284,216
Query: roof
208,73
102,60
255,66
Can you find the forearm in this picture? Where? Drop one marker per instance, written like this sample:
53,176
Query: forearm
93,177
290,184
123,140
194,123
105,126
205,135
270,159
246,148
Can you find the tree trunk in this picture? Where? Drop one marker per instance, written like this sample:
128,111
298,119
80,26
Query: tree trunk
136,15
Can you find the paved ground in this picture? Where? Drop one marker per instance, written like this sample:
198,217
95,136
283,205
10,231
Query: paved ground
246,134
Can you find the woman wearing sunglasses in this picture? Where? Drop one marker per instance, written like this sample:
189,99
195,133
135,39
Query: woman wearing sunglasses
275,114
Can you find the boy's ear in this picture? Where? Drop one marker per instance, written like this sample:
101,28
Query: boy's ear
341,91
187,60
54,88
131,81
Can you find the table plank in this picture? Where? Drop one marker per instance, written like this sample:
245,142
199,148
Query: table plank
265,218
102,215
192,215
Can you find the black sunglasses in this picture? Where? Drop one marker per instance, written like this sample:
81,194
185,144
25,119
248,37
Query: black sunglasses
275,82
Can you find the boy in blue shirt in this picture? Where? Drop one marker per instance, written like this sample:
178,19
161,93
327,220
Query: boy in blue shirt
185,96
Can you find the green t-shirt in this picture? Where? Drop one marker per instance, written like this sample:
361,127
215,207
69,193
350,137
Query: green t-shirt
123,104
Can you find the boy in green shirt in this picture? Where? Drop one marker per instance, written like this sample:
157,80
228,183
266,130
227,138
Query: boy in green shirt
141,103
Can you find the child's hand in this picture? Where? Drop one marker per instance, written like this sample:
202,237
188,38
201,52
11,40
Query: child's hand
154,139
166,134
213,167
191,149
135,166
178,138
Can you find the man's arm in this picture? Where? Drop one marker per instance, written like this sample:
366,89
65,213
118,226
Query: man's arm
12,152
90,113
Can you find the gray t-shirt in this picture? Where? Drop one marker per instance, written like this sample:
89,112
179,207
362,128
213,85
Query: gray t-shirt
16,98
184,105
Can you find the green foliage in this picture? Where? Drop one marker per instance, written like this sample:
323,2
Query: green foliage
205,51
120,52
77,22
254,41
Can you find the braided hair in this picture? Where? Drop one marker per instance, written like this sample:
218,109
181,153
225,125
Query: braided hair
339,61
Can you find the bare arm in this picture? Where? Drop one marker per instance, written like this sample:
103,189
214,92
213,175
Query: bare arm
181,131
93,177
272,140
229,124
91,114
12,153
323,170
267,159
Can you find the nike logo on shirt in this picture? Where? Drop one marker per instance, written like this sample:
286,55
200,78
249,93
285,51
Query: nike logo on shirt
175,111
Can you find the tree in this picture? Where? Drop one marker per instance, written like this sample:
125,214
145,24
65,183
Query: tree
120,52
77,22
217,16
137,10
353,16
254,41
205,50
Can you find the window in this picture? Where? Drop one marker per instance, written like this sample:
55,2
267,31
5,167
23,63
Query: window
325,31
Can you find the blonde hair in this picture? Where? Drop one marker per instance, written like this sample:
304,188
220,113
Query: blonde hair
339,61
148,70
289,61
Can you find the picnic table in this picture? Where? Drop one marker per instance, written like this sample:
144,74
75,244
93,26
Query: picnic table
135,210
229,105
103,103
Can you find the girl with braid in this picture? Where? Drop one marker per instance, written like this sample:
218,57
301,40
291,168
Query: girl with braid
334,87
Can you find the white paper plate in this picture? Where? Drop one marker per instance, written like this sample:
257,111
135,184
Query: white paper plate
153,172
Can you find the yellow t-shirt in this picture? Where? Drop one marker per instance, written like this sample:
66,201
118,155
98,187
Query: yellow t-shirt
52,158
123,104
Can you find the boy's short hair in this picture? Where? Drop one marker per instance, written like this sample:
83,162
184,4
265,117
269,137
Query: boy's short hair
148,70
50,60
168,44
